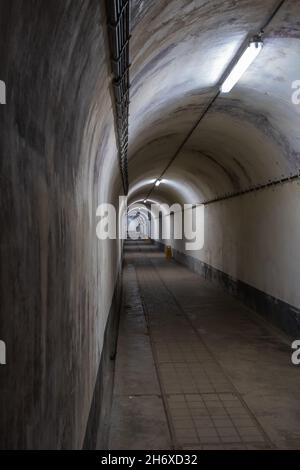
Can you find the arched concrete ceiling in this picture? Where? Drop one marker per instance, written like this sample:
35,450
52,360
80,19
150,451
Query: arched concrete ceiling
179,51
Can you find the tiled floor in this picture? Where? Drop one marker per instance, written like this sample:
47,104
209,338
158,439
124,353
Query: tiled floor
195,369
212,418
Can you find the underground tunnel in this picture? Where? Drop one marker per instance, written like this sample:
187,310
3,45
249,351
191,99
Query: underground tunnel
178,328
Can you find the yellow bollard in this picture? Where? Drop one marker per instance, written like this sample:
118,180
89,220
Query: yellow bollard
168,251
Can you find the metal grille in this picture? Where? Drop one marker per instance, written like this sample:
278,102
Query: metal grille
118,16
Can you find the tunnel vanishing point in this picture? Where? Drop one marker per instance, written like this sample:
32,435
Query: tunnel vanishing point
142,343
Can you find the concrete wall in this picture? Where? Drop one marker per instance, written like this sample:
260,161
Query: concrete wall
58,162
253,240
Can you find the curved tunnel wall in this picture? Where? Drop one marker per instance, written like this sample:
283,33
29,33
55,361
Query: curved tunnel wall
58,162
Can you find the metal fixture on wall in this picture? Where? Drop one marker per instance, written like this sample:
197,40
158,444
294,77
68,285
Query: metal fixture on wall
118,18
270,184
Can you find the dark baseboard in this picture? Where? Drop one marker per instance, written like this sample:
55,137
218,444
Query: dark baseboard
279,313
96,436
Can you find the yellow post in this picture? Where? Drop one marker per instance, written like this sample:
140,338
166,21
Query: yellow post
168,251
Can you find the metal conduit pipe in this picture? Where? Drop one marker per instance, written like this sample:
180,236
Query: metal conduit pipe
118,20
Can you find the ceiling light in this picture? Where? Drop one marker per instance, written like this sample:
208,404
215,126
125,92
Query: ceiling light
246,59
145,201
157,182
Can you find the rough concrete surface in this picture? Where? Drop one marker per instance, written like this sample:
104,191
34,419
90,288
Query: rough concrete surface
58,162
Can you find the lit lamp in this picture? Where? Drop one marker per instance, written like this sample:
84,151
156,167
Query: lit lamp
246,59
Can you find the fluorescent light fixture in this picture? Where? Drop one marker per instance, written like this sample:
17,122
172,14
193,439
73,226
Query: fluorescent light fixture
246,59
157,182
